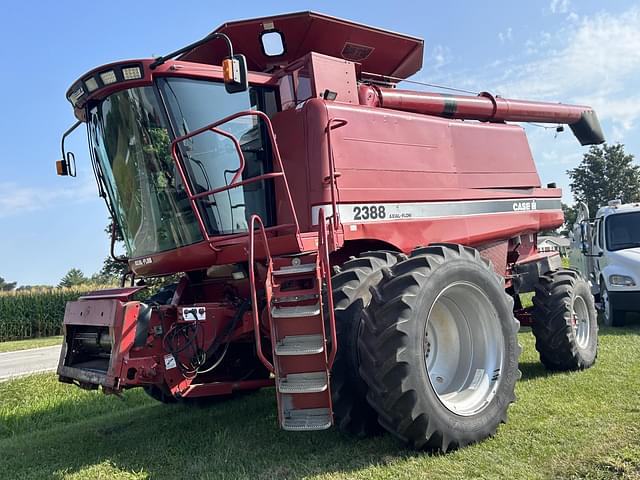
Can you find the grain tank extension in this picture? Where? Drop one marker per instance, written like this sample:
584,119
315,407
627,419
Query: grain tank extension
359,247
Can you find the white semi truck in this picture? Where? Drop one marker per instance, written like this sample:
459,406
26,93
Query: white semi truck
606,249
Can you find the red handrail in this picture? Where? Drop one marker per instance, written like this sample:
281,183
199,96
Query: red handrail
323,256
252,281
264,176
236,143
332,124
234,183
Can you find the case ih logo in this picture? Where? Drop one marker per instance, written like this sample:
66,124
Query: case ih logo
524,206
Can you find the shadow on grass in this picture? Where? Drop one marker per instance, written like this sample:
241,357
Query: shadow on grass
238,439
533,370
631,326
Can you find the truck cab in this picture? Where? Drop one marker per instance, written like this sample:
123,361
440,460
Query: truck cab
606,249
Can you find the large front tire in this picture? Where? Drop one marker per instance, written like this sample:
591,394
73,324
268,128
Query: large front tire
351,295
565,323
439,349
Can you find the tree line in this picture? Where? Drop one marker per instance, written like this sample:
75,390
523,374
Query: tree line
605,173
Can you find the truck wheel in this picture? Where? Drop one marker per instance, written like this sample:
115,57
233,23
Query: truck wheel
350,296
564,321
610,316
439,348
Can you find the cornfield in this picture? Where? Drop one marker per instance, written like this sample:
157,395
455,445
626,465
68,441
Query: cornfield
35,313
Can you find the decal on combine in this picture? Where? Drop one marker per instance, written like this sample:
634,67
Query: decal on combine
169,362
524,206
195,313
372,212
143,261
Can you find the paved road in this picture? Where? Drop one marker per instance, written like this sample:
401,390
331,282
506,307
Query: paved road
23,362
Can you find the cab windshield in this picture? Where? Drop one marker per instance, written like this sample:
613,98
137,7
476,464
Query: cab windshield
623,230
130,134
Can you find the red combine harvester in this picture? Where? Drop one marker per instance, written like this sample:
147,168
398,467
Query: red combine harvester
360,247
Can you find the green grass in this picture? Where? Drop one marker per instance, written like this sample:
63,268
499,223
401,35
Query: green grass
567,425
15,345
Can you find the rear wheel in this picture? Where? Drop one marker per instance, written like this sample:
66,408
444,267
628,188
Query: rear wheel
350,296
564,321
439,349
610,316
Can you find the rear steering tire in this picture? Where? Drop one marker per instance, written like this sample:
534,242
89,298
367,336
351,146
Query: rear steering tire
351,295
439,349
564,321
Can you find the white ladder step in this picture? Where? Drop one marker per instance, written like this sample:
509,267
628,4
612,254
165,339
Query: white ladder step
300,345
296,269
309,382
296,311
307,419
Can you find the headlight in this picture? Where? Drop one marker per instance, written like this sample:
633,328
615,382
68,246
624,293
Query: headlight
622,281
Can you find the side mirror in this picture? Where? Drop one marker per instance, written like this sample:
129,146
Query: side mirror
235,74
584,245
67,166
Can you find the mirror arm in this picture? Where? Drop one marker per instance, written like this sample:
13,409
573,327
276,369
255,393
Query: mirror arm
113,244
68,158
160,60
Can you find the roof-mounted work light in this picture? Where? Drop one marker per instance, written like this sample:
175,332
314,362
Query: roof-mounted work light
80,92
108,77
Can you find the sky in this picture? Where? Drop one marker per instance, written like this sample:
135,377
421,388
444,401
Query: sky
585,52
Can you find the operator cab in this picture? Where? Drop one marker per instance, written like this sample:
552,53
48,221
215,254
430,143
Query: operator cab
139,114
130,134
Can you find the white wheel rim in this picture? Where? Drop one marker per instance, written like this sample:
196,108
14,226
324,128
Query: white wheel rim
464,348
580,321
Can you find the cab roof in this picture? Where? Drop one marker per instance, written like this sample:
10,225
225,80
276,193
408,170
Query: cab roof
621,208
378,51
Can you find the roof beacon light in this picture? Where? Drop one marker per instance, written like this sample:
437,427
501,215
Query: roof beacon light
131,73
108,77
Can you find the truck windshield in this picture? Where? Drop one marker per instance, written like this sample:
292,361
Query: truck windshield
129,138
623,230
